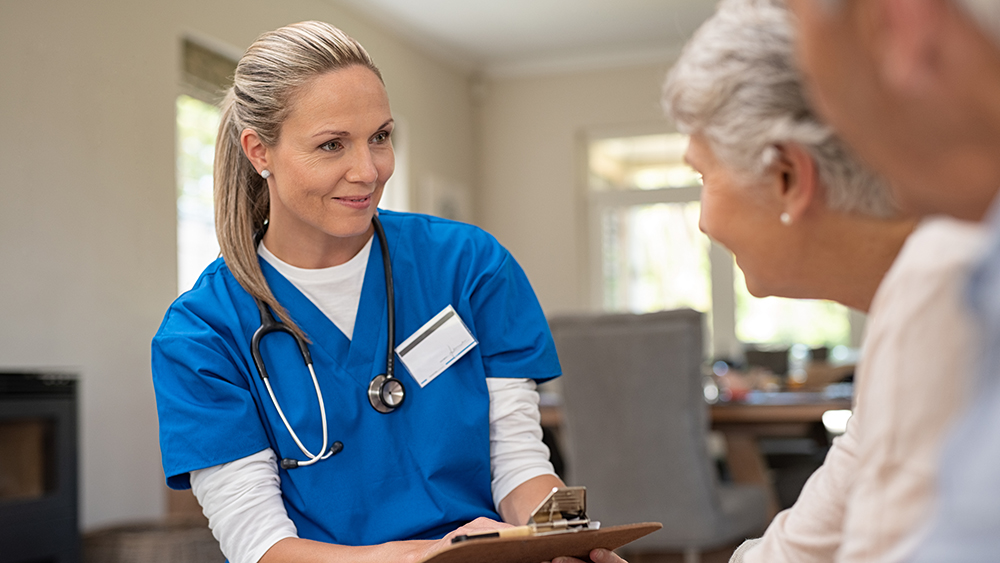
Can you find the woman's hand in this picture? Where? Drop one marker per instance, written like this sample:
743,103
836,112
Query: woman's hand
597,556
477,526
409,551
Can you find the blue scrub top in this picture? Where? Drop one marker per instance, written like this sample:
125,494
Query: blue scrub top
415,473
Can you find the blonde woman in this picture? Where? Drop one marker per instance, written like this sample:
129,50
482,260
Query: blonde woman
344,384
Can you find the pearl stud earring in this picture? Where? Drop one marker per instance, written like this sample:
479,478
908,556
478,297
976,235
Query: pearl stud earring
265,173
786,219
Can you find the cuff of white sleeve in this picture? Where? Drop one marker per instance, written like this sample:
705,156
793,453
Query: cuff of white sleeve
514,480
265,544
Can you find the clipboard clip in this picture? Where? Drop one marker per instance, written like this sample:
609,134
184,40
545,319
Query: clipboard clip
564,509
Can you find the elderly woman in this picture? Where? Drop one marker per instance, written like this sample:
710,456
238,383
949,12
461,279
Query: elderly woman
805,219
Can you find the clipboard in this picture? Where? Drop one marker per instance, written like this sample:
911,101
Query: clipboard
558,527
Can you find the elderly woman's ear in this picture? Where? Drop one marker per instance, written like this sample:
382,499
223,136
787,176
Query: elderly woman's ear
798,182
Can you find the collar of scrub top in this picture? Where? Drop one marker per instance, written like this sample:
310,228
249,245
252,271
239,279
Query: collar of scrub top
385,392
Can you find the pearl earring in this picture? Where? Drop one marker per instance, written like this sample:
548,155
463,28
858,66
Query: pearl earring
786,219
265,173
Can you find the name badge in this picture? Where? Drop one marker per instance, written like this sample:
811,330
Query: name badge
441,342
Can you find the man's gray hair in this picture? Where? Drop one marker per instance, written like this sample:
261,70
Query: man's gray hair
736,82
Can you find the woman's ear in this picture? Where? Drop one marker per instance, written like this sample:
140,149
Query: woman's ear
254,148
799,180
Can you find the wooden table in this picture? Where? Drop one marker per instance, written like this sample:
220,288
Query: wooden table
743,425
783,415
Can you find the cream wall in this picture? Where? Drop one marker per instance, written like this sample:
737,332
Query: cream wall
88,198
532,165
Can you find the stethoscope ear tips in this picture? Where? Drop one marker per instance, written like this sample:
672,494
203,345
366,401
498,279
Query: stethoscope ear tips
336,448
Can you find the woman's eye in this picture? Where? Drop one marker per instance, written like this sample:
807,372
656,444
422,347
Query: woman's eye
380,137
331,146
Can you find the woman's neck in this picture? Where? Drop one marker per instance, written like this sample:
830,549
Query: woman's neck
851,254
314,250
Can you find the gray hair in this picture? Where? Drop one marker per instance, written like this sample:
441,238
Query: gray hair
736,82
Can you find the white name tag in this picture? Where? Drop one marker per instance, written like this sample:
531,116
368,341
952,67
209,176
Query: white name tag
435,346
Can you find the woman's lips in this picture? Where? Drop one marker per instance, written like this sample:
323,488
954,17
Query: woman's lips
358,202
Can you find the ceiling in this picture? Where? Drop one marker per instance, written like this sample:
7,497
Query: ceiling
512,37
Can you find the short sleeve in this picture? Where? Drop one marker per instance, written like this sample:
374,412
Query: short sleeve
206,409
513,334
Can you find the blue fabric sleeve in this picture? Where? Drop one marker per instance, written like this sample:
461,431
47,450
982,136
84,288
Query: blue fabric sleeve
207,413
513,334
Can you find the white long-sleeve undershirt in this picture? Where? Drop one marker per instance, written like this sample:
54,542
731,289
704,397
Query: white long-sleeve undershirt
242,499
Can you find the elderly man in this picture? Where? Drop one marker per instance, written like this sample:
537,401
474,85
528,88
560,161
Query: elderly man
914,87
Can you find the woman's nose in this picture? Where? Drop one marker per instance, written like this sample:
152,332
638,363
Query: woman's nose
363,170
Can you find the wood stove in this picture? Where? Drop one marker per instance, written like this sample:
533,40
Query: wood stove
38,469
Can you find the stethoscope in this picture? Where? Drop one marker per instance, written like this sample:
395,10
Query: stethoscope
385,392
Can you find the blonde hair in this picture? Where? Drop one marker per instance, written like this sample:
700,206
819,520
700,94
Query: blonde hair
267,77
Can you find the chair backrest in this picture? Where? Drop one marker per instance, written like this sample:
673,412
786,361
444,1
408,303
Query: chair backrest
636,421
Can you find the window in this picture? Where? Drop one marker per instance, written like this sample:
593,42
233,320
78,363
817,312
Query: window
197,247
647,253
205,76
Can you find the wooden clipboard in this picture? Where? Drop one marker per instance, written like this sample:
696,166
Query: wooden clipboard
545,547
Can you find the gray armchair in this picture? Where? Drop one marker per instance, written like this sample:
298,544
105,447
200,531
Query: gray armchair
636,424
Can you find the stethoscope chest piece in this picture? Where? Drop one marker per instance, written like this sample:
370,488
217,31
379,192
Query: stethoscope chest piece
386,393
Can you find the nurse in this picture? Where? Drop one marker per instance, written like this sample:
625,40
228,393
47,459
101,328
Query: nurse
340,473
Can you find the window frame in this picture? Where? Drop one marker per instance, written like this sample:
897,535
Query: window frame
721,321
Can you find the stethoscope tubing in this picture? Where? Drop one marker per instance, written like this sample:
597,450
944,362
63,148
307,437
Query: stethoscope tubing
324,452
390,297
269,324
